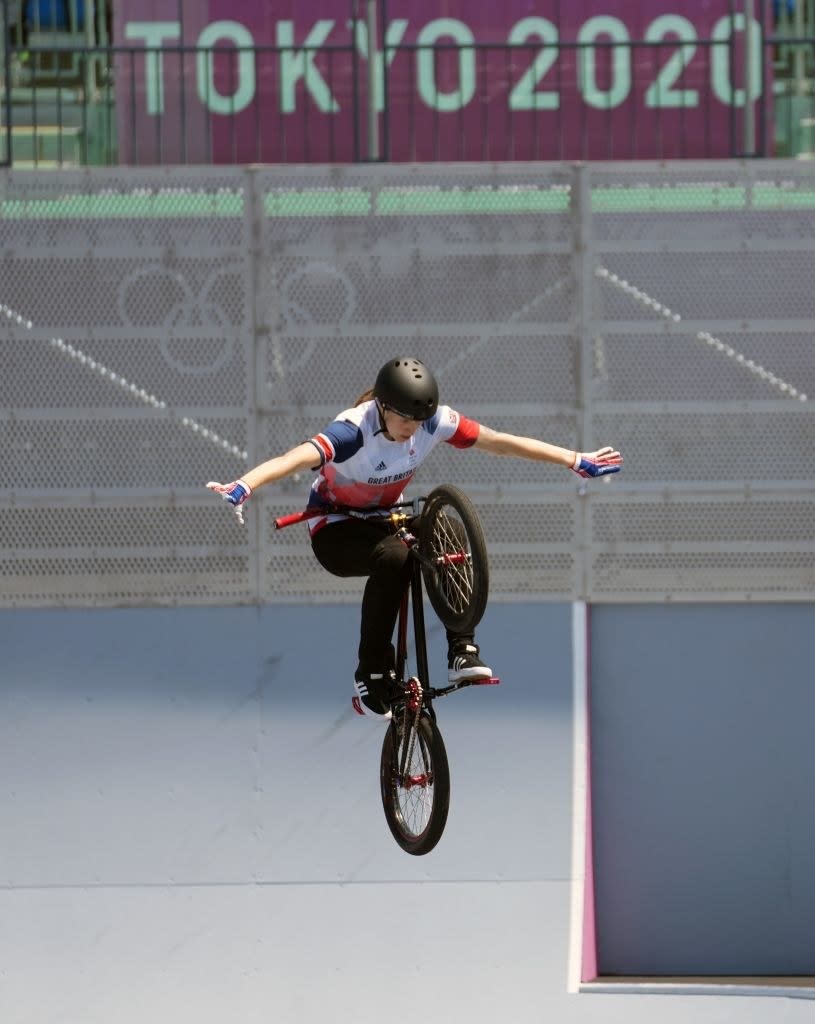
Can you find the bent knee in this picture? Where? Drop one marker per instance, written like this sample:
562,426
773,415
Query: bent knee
390,557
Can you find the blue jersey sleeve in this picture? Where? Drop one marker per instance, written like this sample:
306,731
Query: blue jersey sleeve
338,442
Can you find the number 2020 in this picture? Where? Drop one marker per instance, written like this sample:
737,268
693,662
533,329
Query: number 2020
669,30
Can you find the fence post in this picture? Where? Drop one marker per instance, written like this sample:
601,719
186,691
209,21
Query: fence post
373,117
584,341
749,146
253,220
7,156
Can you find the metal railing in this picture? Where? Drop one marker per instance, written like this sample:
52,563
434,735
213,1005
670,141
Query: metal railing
71,97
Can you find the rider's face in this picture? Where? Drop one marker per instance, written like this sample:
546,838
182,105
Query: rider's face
397,427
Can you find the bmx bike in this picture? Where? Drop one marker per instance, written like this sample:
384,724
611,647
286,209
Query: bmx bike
449,562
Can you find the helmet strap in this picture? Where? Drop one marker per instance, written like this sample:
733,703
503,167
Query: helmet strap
381,413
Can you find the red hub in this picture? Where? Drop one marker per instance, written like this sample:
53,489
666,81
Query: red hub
410,781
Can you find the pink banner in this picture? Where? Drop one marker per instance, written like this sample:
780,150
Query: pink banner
209,81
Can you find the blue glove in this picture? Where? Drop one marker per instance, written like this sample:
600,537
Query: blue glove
599,463
235,493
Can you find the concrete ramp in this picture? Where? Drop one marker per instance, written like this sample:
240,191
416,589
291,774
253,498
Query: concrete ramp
192,829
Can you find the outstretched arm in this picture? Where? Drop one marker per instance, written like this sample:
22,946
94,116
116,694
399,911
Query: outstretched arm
599,463
304,456
293,461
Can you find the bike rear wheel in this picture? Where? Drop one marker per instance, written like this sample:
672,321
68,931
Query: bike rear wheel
457,581
415,781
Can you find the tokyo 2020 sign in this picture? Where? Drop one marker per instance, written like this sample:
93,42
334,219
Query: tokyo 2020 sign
214,81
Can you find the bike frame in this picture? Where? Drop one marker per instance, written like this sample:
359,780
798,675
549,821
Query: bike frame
412,601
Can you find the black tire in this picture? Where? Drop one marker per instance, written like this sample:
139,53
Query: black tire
416,810
449,526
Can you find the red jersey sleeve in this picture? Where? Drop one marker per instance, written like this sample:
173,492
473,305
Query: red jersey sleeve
466,433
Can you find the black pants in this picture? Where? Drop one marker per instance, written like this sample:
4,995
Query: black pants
363,547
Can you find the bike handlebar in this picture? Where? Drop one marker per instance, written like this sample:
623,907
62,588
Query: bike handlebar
342,510
296,517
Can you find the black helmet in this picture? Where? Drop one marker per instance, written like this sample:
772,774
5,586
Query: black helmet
407,386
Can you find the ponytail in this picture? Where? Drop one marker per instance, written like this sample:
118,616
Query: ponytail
366,396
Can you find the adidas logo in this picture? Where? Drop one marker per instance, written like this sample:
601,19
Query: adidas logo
380,467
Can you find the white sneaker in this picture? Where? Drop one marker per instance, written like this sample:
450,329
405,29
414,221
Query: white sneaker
463,662
371,698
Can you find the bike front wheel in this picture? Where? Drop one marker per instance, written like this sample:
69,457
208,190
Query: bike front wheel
415,781
456,576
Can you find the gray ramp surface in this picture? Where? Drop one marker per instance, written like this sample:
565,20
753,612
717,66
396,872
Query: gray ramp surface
192,830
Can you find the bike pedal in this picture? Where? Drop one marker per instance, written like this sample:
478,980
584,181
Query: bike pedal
492,681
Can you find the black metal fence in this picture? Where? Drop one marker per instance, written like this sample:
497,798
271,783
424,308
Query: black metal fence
67,102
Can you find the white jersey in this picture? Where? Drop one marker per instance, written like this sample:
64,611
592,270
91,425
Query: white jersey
361,468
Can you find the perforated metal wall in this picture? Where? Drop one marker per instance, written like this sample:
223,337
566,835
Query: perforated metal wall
160,328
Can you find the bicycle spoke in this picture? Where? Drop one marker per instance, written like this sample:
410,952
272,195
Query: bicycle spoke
456,577
416,809
415,788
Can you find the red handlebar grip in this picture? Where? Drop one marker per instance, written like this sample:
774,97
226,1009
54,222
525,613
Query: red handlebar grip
295,517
